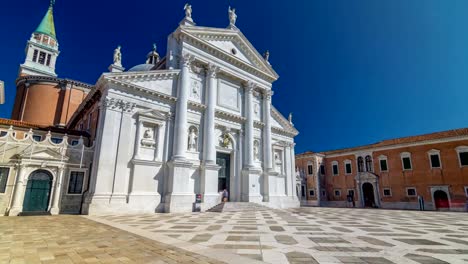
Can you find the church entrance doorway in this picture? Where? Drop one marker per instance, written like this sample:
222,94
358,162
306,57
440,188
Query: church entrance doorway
38,189
441,200
368,194
224,176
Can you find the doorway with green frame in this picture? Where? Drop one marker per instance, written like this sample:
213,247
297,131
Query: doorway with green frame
38,189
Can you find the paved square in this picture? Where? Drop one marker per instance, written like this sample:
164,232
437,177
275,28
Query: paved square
309,235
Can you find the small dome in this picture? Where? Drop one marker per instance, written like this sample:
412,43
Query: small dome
142,67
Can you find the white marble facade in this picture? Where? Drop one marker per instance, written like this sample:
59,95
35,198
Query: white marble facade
161,130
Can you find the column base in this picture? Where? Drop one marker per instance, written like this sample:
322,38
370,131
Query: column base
15,211
209,186
54,211
179,203
251,184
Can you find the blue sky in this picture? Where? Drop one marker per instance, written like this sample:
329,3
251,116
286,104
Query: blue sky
352,72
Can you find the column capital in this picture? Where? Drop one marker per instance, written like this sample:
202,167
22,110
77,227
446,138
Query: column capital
268,94
187,59
249,86
212,70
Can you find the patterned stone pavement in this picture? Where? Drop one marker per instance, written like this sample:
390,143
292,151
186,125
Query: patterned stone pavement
75,239
309,235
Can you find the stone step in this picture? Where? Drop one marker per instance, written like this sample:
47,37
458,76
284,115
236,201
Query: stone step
237,207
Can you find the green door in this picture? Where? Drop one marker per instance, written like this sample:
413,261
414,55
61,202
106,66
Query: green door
36,198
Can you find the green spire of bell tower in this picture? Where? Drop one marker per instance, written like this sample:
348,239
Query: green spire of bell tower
47,25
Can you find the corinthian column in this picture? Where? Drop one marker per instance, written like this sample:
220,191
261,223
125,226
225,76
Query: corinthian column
249,125
180,127
267,130
209,133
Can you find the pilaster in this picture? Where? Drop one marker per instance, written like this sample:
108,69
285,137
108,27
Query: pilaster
17,203
55,209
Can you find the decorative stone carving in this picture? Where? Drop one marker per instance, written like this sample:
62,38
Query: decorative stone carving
187,59
278,162
266,55
193,139
290,118
257,109
114,104
118,56
232,17
225,141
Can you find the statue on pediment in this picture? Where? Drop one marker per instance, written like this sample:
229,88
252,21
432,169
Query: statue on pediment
232,16
118,56
188,11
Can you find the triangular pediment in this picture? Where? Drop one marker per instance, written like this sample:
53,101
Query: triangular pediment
233,43
42,153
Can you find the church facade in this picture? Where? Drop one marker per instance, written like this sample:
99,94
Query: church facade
171,134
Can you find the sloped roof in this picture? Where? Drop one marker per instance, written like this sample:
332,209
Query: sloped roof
47,25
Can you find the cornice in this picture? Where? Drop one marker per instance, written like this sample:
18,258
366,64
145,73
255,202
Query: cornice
37,78
229,116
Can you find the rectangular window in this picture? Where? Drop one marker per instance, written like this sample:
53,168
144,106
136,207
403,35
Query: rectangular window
383,165
48,59
337,193
335,169
75,183
312,193
322,169
36,52
348,168
464,158
310,169
3,178
387,192
351,193
42,58
56,140
37,138
406,163
411,191
3,133
435,161
74,142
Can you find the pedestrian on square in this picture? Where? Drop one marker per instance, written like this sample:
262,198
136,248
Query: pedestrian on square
225,195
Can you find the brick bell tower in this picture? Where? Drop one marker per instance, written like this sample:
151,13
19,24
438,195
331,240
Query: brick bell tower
41,97
42,48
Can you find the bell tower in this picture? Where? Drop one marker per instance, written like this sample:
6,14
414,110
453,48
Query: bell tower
42,48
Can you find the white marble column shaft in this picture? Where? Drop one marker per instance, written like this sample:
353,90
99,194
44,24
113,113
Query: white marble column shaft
55,209
249,124
180,127
267,130
209,133
16,205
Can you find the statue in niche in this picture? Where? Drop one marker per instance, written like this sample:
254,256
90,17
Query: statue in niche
192,140
278,163
195,90
148,134
256,150
232,16
188,11
257,109
148,138
118,56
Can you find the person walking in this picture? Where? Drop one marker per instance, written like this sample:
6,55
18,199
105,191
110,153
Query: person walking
225,195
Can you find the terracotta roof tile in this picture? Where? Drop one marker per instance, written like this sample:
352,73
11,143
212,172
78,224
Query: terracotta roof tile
403,140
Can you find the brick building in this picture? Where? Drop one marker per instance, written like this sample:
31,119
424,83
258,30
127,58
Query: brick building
397,173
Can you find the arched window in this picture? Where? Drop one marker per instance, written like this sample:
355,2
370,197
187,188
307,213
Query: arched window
368,163
360,162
